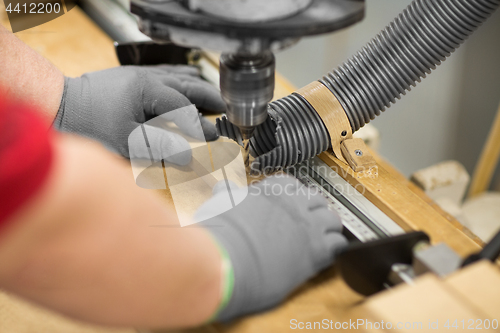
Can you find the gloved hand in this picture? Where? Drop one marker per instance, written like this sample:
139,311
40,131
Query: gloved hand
108,105
280,235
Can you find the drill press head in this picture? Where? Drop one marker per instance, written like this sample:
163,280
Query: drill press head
247,33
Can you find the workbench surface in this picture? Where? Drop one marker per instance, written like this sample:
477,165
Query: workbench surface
75,45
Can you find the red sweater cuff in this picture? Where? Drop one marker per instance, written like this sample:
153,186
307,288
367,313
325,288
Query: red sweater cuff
25,156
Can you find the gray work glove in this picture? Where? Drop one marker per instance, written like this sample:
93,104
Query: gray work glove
108,105
279,236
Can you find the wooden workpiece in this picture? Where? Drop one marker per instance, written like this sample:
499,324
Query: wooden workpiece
404,206
75,45
72,42
432,303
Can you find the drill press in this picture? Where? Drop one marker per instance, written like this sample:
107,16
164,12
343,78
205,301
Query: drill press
247,33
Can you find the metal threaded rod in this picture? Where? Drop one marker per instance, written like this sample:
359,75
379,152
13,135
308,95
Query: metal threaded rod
408,49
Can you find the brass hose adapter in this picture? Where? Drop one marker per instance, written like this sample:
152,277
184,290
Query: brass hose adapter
333,116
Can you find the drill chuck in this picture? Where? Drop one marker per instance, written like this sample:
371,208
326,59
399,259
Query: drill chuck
247,87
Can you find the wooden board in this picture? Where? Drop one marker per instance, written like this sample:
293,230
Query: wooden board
406,208
483,292
72,42
432,303
19,316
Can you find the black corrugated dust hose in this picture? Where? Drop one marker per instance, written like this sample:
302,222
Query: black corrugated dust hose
403,53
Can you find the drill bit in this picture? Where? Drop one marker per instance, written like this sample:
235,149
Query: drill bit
246,154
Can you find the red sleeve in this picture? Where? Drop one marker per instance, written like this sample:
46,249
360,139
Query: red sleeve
25,156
